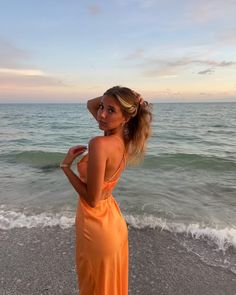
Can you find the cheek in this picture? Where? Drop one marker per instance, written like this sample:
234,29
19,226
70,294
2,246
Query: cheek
116,120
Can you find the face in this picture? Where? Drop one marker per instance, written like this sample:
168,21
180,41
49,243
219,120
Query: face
109,115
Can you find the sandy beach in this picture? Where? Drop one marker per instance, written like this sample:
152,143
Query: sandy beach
41,261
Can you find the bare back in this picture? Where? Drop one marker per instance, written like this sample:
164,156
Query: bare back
116,154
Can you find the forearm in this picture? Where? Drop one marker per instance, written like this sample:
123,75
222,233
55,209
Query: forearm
79,186
93,105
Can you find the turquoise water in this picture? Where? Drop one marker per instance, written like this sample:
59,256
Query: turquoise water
187,182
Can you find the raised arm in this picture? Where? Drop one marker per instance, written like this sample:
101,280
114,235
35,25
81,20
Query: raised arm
93,105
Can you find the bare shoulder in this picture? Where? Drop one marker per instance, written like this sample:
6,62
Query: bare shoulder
97,140
101,140
103,144
98,144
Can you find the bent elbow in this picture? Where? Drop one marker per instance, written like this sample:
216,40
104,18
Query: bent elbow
88,104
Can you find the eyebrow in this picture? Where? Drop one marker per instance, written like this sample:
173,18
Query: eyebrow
109,105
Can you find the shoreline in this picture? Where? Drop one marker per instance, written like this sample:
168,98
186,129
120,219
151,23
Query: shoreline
41,261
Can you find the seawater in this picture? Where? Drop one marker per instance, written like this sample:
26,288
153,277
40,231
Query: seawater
186,184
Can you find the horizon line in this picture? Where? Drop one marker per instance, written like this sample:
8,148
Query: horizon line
160,102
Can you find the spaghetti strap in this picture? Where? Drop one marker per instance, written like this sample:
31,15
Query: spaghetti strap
123,158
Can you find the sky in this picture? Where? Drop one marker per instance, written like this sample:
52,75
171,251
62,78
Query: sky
71,51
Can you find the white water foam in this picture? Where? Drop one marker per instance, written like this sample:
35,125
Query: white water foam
12,219
223,238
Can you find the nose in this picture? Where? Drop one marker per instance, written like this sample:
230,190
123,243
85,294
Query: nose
103,114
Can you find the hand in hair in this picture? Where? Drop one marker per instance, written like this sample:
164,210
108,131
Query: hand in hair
139,97
141,101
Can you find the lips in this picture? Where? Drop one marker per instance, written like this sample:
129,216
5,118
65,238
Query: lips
101,122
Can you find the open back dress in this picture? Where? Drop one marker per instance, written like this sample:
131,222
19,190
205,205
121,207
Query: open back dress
101,241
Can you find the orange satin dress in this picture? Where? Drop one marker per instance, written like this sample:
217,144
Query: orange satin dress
101,242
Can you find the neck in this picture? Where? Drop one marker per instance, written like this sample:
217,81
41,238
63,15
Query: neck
116,132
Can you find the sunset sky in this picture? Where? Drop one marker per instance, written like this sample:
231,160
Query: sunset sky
69,51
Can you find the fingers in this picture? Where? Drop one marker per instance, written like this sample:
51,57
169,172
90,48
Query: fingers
78,149
141,101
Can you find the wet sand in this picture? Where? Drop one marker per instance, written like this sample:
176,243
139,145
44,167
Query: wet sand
41,261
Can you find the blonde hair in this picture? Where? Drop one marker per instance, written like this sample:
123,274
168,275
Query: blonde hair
138,128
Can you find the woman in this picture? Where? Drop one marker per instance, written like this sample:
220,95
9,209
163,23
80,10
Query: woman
101,231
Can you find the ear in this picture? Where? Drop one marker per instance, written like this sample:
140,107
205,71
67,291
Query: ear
127,118
124,122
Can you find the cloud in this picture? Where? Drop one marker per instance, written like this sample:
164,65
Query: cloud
15,73
94,9
207,71
172,67
163,67
28,81
215,63
22,72
162,73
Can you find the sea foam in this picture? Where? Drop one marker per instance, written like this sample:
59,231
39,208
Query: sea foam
222,237
12,219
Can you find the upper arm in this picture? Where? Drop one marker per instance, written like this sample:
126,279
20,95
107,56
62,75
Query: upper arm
96,168
92,109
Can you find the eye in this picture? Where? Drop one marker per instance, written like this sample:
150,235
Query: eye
100,106
111,111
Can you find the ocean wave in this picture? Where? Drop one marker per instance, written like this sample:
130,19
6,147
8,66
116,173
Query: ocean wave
11,219
50,160
223,238
191,161
39,159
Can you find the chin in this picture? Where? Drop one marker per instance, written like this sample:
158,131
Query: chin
102,127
